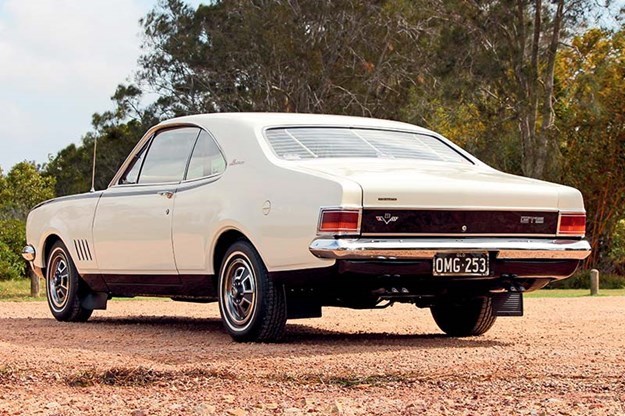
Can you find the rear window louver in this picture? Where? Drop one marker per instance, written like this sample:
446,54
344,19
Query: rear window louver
325,142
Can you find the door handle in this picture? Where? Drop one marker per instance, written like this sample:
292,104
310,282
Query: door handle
166,194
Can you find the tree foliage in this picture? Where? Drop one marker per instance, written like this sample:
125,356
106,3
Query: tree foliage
116,133
20,190
591,109
520,84
325,56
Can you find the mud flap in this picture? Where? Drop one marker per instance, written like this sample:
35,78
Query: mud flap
301,308
94,300
508,304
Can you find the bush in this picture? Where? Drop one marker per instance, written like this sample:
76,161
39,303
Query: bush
581,280
11,265
617,249
12,241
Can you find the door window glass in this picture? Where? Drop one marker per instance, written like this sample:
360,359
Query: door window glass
206,160
168,155
132,172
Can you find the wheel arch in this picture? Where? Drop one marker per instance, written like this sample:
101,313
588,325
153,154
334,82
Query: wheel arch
223,242
50,240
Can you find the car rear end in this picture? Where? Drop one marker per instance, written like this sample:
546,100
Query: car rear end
436,226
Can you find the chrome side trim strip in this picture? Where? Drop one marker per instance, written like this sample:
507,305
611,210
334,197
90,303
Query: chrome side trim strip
416,249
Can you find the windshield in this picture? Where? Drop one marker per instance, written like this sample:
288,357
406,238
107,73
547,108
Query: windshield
295,143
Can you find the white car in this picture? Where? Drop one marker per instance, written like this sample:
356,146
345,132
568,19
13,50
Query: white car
277,215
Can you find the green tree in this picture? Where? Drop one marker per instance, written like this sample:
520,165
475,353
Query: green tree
116,132
20,190
591,128
12,240
23,187
348,57
499,57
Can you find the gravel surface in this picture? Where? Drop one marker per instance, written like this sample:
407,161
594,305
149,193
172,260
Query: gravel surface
153,357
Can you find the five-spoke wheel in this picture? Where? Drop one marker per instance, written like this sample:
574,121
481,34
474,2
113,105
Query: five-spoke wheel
239,290
251,306
64,289
59,282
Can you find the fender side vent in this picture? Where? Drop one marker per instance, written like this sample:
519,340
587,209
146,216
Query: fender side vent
82,250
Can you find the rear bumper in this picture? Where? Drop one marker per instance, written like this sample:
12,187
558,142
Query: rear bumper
426,248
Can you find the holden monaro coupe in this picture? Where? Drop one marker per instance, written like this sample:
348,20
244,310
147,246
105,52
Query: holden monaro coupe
276,215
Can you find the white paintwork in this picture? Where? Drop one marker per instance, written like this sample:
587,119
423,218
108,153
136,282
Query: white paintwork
427,184
134,234
68,218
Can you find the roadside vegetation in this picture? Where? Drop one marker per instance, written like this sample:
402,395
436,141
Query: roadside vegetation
17,290
537,89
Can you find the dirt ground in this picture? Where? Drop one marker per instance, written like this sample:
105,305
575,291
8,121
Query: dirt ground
140,358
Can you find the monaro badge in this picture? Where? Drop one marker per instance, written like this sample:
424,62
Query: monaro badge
387,218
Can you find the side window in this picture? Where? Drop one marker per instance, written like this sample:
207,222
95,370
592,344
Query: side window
206,160
132,172
167,156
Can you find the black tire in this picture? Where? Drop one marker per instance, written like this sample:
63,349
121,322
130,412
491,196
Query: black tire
252,307
64,287
465,318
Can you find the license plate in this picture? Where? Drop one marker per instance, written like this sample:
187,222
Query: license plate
460,264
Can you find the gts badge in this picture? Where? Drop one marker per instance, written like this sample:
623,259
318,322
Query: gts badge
532,220
387,218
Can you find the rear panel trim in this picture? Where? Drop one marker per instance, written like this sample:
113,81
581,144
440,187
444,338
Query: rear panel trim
458,222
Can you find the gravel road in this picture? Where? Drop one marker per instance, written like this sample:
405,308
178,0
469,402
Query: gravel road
153,357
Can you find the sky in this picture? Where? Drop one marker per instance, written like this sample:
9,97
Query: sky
60,62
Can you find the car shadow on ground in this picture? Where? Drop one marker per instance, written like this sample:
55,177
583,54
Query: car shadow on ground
184,340
297,333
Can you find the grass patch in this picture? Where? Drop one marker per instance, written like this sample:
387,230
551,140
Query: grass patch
7,374
573,293
374,380
123,377
19,290
139,377
342,381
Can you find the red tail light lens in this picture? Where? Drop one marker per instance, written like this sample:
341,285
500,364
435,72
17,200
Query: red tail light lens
572,224
339,221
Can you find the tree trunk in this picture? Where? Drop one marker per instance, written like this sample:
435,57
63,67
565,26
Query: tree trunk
536,118
34,284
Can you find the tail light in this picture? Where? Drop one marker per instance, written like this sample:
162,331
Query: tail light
338,221
572,224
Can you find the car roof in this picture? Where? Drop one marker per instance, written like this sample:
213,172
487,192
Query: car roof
264,120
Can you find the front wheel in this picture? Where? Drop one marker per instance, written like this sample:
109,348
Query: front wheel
251,306
465,318
64,288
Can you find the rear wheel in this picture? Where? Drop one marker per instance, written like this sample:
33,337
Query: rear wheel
64,288
251,306
465,318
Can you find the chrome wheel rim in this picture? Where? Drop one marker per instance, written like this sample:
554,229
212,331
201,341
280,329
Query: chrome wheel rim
238,291
59,282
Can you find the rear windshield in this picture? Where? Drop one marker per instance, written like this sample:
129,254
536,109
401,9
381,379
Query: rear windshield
295,143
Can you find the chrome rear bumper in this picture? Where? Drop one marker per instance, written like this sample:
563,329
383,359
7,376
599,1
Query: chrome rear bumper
426,248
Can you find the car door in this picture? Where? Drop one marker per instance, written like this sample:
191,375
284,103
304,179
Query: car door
199,200
133,222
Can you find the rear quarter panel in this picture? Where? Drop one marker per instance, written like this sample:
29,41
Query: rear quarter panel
251,182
